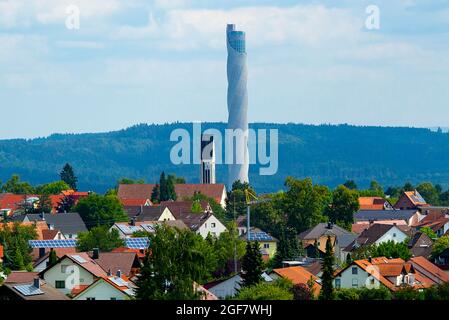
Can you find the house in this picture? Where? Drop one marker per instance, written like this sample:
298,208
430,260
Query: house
70,224
127,230
155,213
374,203
204,293
410,200
142,192
202,223
127,263
229,287
72,271
242,224
9,202
178,207
41,256
318,235
390,273
40,227
379,233
298,275
439,224
410,217
52,234
431,271
315,268
27,286
442,260
117,287
420,245
267,243
359,227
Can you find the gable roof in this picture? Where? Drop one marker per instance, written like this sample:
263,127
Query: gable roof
68,223
320,230
39,225
256,234
415,198
179,207
374,232
193,220
420,245
374,215
373,203
183,190
49,234
21,277
83,260
47,291
422,263
114,261
299,275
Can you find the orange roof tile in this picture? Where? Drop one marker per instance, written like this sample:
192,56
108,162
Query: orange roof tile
371,203
299,275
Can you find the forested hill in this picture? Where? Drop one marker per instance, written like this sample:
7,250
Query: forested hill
328,154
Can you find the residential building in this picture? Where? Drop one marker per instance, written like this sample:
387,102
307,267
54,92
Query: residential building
410,200
298,275
410,217
117,287
41,256
202,223
420,245
379,233
183,191
374,203
154,213
126,230
390,273
70,224
267,243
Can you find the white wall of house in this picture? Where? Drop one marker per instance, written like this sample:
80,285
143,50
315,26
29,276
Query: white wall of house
227,288
102,290
213,226
394,234
166,215
62,272
41,266
355,279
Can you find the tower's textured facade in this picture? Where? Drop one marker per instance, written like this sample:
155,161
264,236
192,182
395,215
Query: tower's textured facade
237,102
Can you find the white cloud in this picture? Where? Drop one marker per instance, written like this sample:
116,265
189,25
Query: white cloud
265,26
9,11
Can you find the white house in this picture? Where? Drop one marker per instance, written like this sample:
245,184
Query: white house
108,288
211,225
73,271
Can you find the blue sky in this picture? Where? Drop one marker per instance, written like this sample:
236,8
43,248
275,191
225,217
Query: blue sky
137,61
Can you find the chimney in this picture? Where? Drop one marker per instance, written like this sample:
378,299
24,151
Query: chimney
41,252
37,283
133,221
370,259
95,253
109,273
119,273
329,225
43,216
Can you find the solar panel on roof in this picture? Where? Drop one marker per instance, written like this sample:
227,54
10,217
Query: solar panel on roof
79,258
66,243
28,290
137,243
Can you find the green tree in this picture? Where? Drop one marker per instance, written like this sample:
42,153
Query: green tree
130,181
52,258
100,210
173,265
14,238
345,203
14,185
52,188
44,204
99,237
429,192
429,232
350,184
304,203
438,292
156,194
327,288
66,204
196,207
236,200
68,176
391,249
252,265
408,187
408,293
218,210
376,189
229,249
347,294
287,248
171,193
264,291
440,245
381,293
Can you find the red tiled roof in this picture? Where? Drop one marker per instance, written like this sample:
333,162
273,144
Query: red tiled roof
183,191
21,277
299,275
371,203
430,267
1,252
90,265
60,252
49,234
12,201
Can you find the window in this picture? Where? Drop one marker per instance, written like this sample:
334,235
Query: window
338,283
266,245
355,270
213,224
394,235
59,284
355,283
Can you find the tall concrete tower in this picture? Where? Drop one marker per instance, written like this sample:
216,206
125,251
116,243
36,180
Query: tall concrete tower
237,103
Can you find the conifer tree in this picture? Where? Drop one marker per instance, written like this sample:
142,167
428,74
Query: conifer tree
327,289
156,194
252,265
68,176
163,196
52,258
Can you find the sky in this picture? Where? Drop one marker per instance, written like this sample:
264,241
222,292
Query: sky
141,61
